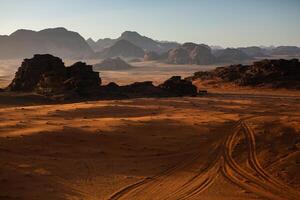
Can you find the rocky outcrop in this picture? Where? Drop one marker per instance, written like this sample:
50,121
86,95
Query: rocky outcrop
190,53
121,48
112,64
47,75
179,87
32,70
173,87
271,73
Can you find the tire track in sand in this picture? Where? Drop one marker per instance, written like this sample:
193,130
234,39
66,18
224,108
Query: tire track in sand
263,185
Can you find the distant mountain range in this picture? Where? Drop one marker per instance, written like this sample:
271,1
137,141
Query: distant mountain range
68,44
147,44
122,48
231,55
57,41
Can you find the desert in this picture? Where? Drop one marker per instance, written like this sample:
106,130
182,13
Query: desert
233,142
160,100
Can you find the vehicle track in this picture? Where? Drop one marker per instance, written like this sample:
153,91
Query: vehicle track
170,186
253,161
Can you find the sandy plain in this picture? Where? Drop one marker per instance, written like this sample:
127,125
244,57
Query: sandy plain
230,144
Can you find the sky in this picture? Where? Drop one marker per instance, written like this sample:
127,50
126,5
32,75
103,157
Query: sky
228,23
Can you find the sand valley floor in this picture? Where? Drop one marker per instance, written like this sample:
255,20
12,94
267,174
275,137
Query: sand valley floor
219,146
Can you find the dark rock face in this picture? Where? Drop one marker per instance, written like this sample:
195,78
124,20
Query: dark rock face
47,75
190,53
143,89
114,64
179,87
272,73
32,70
121,48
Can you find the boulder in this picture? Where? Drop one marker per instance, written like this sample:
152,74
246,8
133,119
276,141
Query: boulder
179,87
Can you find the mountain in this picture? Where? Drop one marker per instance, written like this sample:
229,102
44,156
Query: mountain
135,38
101,44
254,51
190,53
231,55
151,55
112,64
59,41
121,48
286,50
147,43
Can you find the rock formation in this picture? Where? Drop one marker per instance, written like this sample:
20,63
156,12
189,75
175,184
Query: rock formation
190,53
179,87
173,87
272,73
112,64
47,75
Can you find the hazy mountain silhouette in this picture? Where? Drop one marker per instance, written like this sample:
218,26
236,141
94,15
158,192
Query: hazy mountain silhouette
286,50
190,53
135,38
231,55
122,48
59,41
112,64
254,51
101,44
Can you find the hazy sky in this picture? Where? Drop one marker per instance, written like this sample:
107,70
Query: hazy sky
215,22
